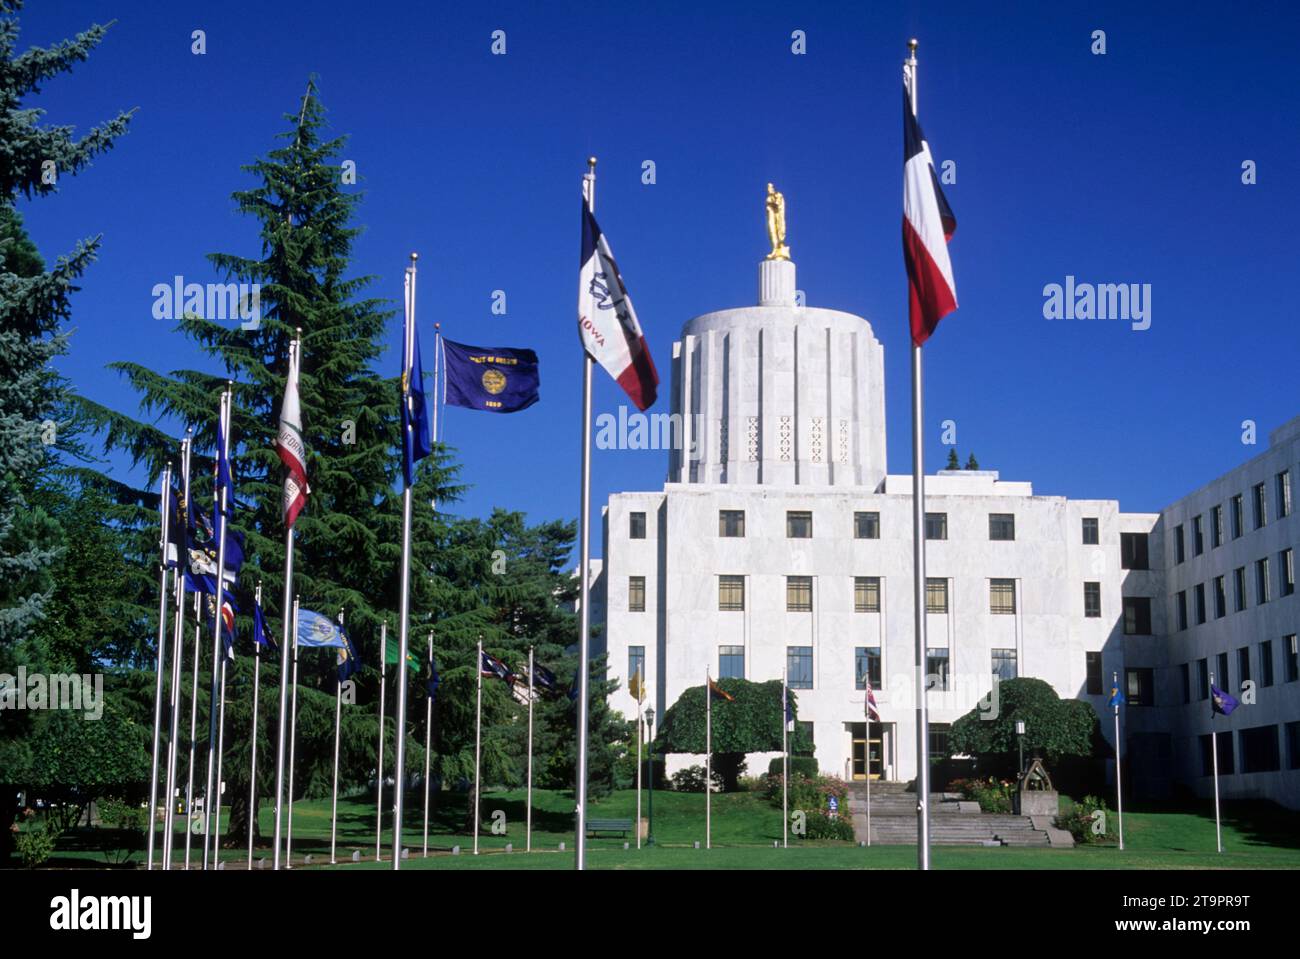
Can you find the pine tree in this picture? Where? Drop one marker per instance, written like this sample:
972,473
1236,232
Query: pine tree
972,463
952,459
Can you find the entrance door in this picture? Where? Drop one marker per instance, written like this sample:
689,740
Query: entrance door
868,750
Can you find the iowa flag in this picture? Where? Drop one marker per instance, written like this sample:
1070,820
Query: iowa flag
607,322
289,444
928,225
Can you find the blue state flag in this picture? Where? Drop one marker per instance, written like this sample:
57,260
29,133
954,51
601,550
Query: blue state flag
1116,697
498,379
349,663
1221,702
261,638
317,630
434,681
415,414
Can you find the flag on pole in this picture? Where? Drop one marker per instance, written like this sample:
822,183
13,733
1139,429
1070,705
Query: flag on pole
223,482
415,414
636,686
869,705
928,225
289,444
1221,702
498,379
544,679
260,635
1116,697
787,707
348,661
434,681
607,321
391,652
491,666
317,630
719,693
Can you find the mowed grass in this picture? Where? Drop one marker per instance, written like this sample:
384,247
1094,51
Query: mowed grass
745,826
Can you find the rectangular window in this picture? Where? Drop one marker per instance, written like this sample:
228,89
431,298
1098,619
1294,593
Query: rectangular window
866,525
1293,745
635,662
1266,663
1091,531
1239,585
1179,551
1216,527
867,666
1002,526
936,668
1202,679
798,594
1133,551
1198,537
1236,516
635,527
936,525
636,594
1225,754
1259,752
1140,685
1243,665
1223,681
1199,592
866,594
1002,596
1004,663
1092,600
936,595
731,522
731,662
799,667
1093,665
1290,658
1185,681
1283,494
1137,616
731,593
1261,581
798,524
1259,505
1220,598
939,739
1180,604
1286,571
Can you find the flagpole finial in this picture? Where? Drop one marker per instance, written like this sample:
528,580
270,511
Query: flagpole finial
591,164
912,45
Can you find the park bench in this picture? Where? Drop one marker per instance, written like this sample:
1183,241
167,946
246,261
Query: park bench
620,826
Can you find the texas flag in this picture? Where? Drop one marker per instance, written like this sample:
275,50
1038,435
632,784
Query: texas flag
928,225
872,713
607,322
289,444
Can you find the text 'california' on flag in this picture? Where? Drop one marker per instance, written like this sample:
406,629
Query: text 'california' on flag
928,225
607,322
289,444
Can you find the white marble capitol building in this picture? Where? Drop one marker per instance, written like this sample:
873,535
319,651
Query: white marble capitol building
782,542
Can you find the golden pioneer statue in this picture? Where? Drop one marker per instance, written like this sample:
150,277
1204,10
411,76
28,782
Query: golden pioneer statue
776,224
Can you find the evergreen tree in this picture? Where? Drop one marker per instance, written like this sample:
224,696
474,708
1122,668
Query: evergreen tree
952,459
972,463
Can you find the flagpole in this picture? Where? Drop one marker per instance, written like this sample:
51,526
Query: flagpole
1119,781
164,504
1214,752
399,764
428,728
295,346
194,719
293,741
221,751
478,741
379,776
219,498
338,717
639,736
252,766
584,564
918,586
869,764
708,760
528,827
169,822
785,760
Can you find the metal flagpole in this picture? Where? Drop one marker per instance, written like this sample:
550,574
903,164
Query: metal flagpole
708,760
252,766
293,741
218,497
428,744
338,718
1119,784
289,633
169,822
164,502
1214,753
478,740
528,827
869,770
639,736
379,776
194,718
399,762
785,761
221,751
584,564
918,586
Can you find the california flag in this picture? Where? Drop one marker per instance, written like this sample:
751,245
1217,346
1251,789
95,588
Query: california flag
928,224
290,446
607,322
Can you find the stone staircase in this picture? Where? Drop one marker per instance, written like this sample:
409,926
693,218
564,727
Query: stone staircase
953,822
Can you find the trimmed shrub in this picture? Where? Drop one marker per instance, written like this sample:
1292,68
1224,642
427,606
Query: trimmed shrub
799,766
691,780
819,826
993,795
1088,821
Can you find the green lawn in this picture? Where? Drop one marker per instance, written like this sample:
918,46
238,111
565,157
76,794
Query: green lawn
1256,835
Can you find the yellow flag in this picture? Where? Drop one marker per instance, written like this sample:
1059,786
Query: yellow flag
636,687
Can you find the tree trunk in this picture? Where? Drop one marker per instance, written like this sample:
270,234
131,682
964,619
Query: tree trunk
240,821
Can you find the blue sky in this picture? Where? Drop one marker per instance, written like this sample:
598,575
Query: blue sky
1117,168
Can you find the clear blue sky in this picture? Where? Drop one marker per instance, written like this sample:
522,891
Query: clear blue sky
1117,168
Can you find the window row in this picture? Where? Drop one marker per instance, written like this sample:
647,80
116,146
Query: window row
1259,749
866,667
1218,590
1259,497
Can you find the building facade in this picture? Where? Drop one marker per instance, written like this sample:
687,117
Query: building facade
781,544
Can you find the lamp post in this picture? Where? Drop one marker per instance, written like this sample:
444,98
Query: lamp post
1020,738
649,731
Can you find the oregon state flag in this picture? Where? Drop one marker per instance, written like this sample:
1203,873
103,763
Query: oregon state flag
498,379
